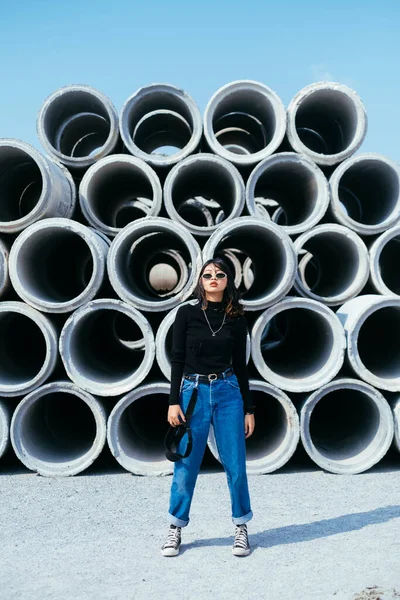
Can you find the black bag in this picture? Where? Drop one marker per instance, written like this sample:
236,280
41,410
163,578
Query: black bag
175,434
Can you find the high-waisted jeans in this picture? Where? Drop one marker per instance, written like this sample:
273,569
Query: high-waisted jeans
218,403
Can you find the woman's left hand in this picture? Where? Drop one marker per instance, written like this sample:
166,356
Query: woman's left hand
249,424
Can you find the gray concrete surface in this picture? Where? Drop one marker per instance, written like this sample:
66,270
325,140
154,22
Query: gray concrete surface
315,535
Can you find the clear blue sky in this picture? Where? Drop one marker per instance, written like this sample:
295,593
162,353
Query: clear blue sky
118,46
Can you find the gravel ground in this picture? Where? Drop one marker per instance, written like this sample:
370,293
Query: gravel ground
97,536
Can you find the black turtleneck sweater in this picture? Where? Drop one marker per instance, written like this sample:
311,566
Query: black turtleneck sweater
196,350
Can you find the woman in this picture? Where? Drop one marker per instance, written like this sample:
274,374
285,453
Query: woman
209,352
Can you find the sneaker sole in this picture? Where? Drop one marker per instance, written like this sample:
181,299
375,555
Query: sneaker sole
170,552
240,552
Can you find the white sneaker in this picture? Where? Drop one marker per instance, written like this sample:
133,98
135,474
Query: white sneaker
173,542
241,545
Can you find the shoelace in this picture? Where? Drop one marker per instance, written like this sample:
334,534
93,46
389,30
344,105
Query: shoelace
241,539
173,537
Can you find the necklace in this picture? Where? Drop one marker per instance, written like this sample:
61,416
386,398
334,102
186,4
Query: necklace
211,329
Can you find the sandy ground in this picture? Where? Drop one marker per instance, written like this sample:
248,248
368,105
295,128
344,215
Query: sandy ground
98,535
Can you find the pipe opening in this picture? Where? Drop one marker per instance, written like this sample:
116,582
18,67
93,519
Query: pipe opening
369,191
22,349
338,438
378,343
142,428
326,121
329,264
58,428
389,260
55,265
271,427
76,123
296,342
21,184
103,345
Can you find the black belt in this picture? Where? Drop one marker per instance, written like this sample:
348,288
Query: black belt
210,377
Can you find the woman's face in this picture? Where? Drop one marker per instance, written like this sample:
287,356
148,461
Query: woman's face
210,280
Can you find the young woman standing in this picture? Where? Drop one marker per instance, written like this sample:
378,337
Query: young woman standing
209,352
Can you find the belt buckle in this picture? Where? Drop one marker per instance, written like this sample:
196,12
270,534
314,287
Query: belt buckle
212,377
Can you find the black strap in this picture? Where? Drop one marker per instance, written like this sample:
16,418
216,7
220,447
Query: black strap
175,434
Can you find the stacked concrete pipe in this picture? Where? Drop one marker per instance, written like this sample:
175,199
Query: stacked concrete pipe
4,273
384,262
5,419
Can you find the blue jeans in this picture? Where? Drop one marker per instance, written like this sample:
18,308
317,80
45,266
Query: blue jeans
220,403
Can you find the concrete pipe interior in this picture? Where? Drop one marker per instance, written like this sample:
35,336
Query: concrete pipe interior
257,245
244,122
76,123
103,345
271,430
294,189
160,122
296,343
138,259
58,428
119,193
343,424
389,260
21,183
326,121
204,188
378,343
369,191
54,265
22,349
328,264
142,428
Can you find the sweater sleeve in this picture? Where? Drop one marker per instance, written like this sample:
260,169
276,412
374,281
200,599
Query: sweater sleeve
178,354
240,366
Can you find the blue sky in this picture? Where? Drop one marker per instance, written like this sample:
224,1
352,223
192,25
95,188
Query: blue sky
118,46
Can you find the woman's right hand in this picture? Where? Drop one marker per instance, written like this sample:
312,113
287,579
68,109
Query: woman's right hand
174,412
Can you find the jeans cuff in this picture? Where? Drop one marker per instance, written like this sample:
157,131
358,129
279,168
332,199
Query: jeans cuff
177,522
244,519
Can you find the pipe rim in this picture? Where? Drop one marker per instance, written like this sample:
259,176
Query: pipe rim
323,195
158,224
136,163
100,388
380,402
277,107
375,254
105,149
4,428
47,468
326,372
96,279
4,270
359,134
355,288
205,158
135,466
153,159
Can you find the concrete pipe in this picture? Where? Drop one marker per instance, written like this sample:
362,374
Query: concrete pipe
56,265
97,350
160,124
298,344
299,187
272,255
164,341
346,426
5,418
366,193
117,190
244,122
327,122
78,125
333,264
4,273
28,348
136,430
276,435
395,406
193,182
32,187
134,263
58,430
384,261
372,326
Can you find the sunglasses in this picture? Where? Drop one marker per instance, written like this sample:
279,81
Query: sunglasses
217,275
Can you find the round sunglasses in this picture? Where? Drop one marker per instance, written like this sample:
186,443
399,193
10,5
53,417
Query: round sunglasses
217,275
